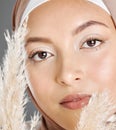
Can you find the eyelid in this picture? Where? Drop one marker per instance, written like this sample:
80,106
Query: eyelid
92,37
35,57
94,46
41,48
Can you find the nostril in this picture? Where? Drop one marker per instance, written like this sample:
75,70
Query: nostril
62,82
77,78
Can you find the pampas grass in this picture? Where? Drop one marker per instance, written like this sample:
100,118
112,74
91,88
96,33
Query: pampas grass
95,116
13,82
35,121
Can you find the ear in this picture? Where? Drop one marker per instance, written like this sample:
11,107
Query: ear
111,5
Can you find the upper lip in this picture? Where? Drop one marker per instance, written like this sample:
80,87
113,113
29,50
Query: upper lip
74,98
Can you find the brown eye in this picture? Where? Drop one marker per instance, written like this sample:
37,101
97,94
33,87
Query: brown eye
91,43
40,55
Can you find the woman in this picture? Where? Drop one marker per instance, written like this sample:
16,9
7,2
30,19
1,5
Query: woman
71,55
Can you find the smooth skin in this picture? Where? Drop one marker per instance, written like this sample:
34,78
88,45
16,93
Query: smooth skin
71,48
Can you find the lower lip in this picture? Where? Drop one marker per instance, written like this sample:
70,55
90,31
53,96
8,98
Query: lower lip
76,104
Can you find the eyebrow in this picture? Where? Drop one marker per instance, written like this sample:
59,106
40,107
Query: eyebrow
74,32
37,39
86,25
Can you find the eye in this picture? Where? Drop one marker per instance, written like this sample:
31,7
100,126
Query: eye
40,55
91,43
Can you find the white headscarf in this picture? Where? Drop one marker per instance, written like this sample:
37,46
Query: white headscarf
35,3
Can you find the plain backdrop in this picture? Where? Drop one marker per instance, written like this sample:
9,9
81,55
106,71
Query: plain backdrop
6,7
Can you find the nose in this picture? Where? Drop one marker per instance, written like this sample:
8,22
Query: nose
69,73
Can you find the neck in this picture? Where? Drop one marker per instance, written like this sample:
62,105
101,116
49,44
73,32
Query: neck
48,124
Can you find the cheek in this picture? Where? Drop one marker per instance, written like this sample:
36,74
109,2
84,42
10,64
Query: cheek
102,70
41,84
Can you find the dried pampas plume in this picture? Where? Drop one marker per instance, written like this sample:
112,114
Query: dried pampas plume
13,82
35,121
98,114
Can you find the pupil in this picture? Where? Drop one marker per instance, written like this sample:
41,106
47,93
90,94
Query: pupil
91,43
42,55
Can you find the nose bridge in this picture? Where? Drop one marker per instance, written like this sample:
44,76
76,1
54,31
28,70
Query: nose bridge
69,71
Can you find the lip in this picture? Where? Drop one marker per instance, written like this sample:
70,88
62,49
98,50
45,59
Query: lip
76,101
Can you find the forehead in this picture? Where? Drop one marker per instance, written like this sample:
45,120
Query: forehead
58,12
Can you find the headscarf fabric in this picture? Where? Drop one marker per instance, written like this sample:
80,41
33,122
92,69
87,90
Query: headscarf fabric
24,7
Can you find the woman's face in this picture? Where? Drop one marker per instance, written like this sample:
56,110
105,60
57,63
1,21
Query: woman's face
71,49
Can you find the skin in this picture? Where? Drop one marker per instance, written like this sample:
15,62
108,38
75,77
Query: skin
70,65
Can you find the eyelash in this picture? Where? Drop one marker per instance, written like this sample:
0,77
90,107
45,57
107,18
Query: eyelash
92,42
40,53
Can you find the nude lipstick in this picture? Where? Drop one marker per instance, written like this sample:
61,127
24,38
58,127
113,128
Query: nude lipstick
75,101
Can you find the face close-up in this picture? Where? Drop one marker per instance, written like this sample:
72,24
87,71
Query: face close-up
71,48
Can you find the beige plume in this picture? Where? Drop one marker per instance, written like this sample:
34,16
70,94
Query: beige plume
13,82
99,114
